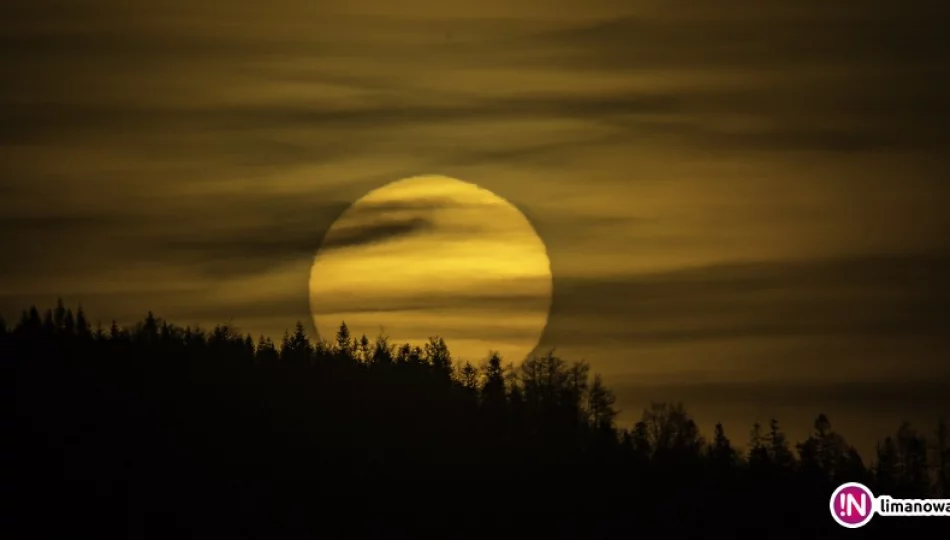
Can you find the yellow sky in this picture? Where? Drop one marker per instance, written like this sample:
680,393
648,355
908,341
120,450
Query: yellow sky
726,191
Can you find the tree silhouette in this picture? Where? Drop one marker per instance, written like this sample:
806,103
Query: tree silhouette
407,354
600,405
382,351
82,325
493,391
222,435
149,331
721,453
827,457
49,323
59,315
296,348
69,323
344,344
363,352
886,468
941,460
670,430
266,353
438,356
760,459
911,459
468,377
33,323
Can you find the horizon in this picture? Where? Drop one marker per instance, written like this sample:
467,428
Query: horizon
629,409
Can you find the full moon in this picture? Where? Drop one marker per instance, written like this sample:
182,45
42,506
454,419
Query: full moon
434,256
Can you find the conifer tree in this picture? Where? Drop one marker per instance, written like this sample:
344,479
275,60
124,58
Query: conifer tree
344,345
69,323
82,324
49,322
59,315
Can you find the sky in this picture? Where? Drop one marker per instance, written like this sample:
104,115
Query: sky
744,202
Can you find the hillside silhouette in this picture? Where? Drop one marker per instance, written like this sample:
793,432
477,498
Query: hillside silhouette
159,431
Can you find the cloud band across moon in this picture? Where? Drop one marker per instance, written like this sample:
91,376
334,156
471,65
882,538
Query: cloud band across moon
410,264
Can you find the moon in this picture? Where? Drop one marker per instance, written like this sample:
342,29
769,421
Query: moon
433,256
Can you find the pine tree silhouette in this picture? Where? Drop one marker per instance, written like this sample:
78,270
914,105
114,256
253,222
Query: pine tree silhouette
227,436
82,325
941,460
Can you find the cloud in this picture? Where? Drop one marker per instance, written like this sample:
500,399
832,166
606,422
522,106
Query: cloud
812,78
275,230
253,250
510,296
355,236
786,33
61,222
815,79
861,297
58,118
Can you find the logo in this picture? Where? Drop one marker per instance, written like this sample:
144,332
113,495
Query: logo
852,505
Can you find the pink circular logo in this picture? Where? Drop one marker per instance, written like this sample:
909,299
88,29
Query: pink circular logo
852,505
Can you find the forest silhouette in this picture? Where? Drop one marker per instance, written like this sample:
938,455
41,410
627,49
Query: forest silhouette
161,431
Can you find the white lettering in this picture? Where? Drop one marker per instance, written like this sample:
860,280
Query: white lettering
853,504
913,507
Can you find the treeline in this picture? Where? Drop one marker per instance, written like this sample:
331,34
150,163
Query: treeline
161,430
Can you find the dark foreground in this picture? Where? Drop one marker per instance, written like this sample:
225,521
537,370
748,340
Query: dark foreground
161,432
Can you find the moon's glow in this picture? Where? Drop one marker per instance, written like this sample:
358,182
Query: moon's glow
434,256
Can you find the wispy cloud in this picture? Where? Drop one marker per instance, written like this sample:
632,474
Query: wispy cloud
883,295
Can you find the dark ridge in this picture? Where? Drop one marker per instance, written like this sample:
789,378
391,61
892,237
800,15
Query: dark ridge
159,431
